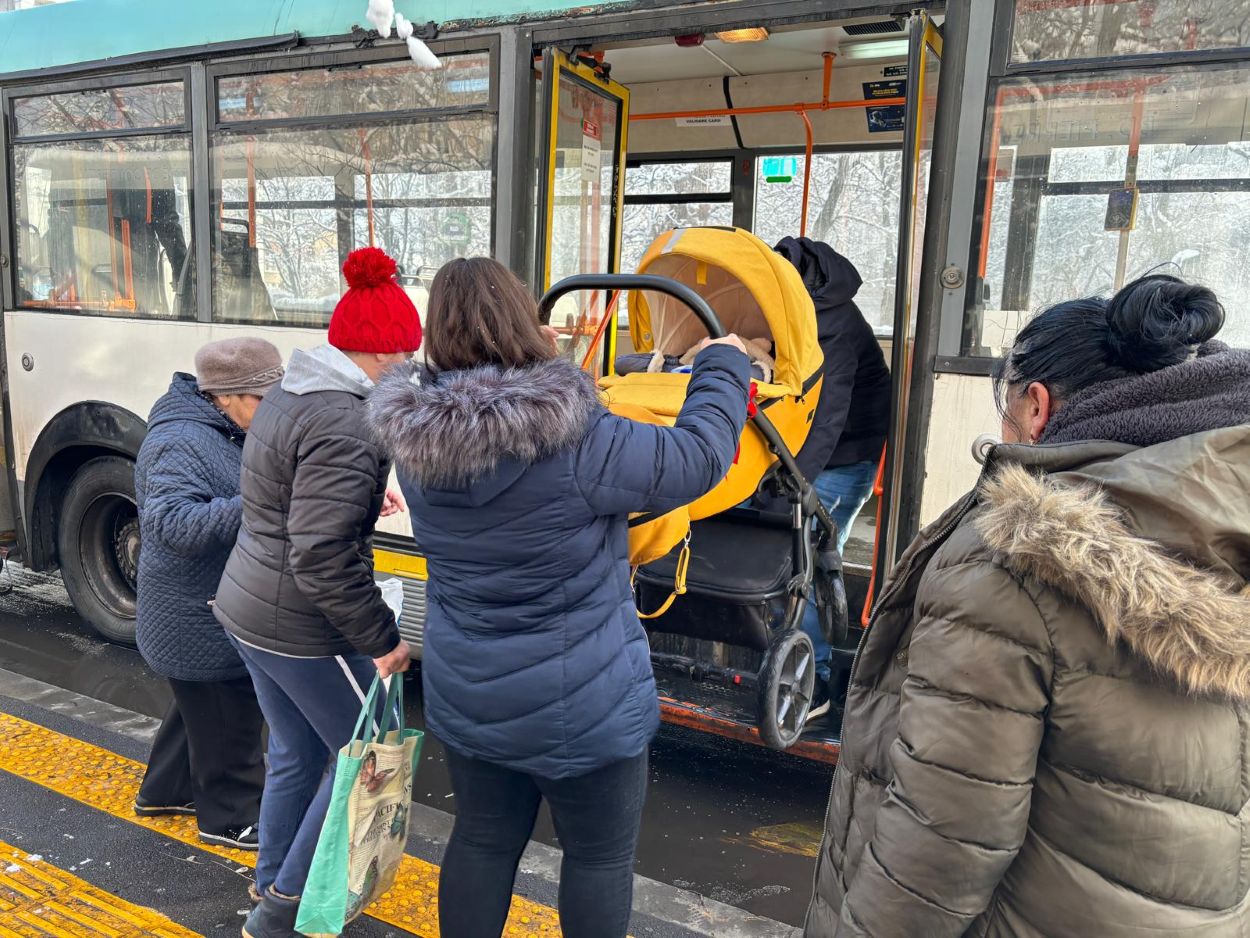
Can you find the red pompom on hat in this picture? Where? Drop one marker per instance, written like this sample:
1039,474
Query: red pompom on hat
375,314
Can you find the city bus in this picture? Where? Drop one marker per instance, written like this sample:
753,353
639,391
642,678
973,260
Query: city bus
195,171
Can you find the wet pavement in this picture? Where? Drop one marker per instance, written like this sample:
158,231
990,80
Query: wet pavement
732,822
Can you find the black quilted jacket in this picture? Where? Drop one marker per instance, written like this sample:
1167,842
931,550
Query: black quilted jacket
187,487
300,579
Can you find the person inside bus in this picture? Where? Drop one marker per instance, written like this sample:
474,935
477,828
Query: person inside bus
536,670
298,592
206,758
843,447
1047,729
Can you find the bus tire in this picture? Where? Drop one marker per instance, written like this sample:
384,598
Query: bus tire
98,546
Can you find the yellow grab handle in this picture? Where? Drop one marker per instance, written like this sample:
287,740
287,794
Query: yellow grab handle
679,582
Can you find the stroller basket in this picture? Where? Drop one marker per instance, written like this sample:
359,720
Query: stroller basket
736,583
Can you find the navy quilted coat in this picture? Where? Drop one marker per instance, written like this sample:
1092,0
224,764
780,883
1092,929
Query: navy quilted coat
519,484
187,486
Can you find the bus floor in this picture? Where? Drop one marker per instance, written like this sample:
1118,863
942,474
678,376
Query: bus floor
727,847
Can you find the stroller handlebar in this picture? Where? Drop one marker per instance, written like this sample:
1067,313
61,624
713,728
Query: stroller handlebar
679,291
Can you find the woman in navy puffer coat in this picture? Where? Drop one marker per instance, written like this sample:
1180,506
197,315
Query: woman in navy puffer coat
206,758
536,669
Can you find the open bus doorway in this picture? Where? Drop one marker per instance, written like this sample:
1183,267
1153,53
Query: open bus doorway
822,130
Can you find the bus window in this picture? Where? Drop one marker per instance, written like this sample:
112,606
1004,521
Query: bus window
289,204
1049,31
1097,179
138,107
661,196
854,209
103,222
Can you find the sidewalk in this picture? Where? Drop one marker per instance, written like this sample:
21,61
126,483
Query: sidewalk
71,766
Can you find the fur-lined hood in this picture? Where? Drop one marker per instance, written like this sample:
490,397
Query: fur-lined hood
1076,532
449,430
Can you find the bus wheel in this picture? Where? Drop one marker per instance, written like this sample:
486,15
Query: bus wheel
786,684
98,543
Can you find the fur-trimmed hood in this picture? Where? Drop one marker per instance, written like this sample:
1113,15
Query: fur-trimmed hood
1077,532
449,430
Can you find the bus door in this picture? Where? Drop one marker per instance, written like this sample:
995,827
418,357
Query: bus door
581,196
923,67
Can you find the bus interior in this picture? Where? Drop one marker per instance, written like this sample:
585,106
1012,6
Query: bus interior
786,132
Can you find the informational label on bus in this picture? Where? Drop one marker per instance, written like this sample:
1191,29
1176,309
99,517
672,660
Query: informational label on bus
874,90
894,71
715,120
592,151
890,118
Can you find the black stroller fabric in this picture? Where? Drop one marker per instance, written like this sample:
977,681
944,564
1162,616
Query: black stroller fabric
739,569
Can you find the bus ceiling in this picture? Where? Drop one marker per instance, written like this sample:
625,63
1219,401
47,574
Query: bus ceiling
803,86
700,92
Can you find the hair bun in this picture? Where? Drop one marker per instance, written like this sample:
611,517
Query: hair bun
368,267
1158,320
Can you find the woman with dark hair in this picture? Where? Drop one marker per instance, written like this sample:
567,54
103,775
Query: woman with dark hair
1046,732
536,670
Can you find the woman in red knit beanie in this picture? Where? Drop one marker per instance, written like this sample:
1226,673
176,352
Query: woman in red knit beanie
375,315
298,593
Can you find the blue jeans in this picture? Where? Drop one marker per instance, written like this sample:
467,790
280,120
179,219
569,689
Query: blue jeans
844,490
311,706
596,817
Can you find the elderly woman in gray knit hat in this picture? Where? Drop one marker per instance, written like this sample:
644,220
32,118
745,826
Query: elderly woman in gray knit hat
206,759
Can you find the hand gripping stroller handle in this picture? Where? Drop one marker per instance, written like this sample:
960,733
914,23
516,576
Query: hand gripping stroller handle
679,291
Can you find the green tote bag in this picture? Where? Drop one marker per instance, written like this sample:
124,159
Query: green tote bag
362,841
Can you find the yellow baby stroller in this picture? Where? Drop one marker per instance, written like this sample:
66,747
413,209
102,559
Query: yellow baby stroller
722,570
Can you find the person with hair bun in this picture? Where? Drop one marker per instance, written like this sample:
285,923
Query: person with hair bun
1047,729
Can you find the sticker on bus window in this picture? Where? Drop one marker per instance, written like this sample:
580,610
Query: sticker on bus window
592,154
779,169
1121,210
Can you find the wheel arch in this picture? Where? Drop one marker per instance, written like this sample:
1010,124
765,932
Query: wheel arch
78,433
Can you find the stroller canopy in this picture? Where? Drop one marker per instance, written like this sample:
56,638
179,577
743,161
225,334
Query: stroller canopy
755,291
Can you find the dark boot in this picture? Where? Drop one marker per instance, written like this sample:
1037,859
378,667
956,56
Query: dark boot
273,918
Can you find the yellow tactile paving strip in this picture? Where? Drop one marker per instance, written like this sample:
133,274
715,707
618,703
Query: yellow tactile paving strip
108,782
38,900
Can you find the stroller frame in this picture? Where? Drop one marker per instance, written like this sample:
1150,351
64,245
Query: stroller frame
786,680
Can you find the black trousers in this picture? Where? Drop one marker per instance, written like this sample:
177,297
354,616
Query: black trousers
596,816
208,751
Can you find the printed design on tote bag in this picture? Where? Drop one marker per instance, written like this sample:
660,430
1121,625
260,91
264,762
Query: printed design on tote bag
370,778
362,841
399,823
356,901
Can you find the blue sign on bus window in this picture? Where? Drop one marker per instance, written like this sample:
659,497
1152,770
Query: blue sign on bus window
780,168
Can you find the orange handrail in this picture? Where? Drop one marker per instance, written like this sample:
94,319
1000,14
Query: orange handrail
608,317
801,109
769,109
878,489
807,173
368,158
1137,86
251,191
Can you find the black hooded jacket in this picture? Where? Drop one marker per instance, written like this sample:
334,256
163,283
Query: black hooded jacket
853,413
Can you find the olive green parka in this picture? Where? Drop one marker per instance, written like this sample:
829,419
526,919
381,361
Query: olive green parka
1047,731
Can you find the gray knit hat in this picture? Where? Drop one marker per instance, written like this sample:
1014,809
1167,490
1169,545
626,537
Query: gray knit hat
238,366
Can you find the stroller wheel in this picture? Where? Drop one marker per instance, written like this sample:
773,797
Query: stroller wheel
786,684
